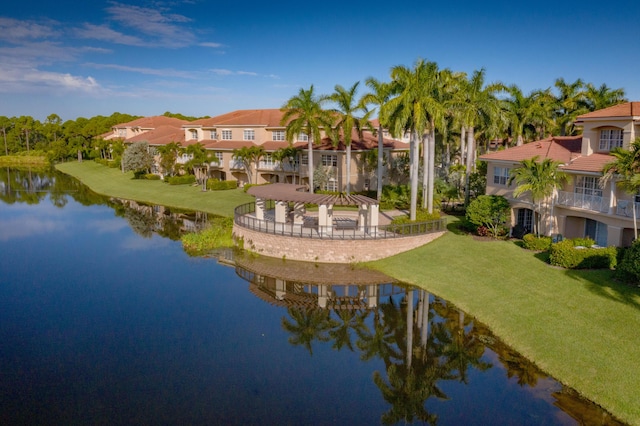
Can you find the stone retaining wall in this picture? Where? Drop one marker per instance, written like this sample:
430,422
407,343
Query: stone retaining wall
328,250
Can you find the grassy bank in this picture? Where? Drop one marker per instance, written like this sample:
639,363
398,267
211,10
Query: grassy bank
113,183
578,326
23,161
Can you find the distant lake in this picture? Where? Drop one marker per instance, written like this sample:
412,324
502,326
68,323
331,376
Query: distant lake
105,320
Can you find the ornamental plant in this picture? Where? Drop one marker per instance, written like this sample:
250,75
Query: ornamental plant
490,211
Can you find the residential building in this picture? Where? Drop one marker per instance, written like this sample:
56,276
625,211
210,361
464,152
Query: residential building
584,206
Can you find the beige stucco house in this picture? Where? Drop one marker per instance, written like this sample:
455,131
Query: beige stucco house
583,207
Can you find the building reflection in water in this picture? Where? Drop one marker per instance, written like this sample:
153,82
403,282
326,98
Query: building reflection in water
425,343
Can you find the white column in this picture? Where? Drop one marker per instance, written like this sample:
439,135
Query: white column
281,289
260,202
374,215
362,217
298,213
281,211
323,295
613,201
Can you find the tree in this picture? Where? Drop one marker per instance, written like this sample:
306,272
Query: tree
248,156
410,111
348,121
199,162
137,159
602,97
303,113
521,112
625,169
286,155
168,156
490,211
538,178
379,96
569,103
476,103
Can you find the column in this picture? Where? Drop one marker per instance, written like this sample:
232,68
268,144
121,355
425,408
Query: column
613,201
260,203
281,211
362,217
374,215
298,213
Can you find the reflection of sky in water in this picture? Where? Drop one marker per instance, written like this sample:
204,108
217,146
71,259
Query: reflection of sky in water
107,225
24,227
136,243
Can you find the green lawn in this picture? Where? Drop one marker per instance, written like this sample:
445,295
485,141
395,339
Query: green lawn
113,183
578,326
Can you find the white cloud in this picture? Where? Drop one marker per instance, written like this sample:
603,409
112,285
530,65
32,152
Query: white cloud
210,44
15,31
31,79
104,33
28,226
224,72
147,71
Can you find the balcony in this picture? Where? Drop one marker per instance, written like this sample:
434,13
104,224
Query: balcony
625,209
277,166
583,201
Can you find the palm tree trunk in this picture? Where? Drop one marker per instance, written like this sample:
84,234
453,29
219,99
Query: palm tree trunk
425,168
310,163
380,162
431,169
635,220
409,327
348,169
463,149
414,160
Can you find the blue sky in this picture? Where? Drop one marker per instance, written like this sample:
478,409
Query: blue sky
196,57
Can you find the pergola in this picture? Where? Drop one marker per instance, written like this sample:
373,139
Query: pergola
284,194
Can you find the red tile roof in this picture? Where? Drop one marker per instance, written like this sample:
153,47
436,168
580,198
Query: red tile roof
227,145
161,135
153,122
591,163
244,117
558,148
627,109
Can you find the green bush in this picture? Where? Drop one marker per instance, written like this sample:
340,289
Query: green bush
220,185
531,242
422,215
584,242
628,269
395,197
490,212
151,176
181,180
566,255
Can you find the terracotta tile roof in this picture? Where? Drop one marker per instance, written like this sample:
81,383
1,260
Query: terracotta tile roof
558,148
274,145
627,109
227,145
243,117
591,163
161,135
153,122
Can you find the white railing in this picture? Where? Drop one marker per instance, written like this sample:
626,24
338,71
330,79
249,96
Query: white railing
285,167
583,201
625,208
234,165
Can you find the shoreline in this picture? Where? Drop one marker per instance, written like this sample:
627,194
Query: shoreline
547,315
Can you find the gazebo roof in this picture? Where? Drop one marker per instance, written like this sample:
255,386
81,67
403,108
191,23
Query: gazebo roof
290,192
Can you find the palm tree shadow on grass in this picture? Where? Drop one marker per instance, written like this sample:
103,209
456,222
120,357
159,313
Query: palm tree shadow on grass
602,283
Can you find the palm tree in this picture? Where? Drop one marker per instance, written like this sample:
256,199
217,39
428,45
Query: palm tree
539,179
603,97
168,156
303,113
287,154
410,111
625,169
248,156
476,103
379,96
308,324
569,104
348,121
520,112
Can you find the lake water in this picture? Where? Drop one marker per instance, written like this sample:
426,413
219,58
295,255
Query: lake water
105,320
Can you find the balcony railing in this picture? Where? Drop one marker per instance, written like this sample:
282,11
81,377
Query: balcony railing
625,208
342,229
583,201
285,167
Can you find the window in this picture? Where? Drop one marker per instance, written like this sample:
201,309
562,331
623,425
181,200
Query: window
332,185
194,134
525,219
304,160
214,135
122,133
597,231
501,175
303,137
278,135
610,138
226,135
329,160
219,157
267,161
588,185
249,134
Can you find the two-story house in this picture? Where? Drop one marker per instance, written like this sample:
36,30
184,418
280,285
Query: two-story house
584,206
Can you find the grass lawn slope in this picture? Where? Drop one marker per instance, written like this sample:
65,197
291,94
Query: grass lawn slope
578,326
114,183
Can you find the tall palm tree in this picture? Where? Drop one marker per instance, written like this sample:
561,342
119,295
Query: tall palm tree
625,169
538,178
308,324
347,111
249,155
303,113
476,103
379,96
569,104
520,112
409,111
602,96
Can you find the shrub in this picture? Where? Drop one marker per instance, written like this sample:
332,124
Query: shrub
422,215
629,268
217,235
584,242
490,211
566,255
220,185
395,197
531,242
151,176
181,180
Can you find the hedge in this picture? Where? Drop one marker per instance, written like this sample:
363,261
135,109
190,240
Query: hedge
181,180
567,255
219,185
531,242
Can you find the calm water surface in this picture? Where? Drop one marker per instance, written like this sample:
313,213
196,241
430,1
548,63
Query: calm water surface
105,320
